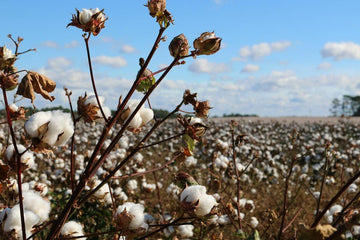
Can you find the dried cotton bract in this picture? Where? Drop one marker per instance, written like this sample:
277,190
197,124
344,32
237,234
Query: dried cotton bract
89,109
53,127
195,200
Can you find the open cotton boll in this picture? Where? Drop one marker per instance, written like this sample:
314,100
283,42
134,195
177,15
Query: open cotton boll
186,231
254,222
60,129
35,121
72,229
146,115
136,211
34,202
13,221
27,158
195,193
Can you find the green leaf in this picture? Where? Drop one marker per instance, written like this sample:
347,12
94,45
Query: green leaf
190,143
254,236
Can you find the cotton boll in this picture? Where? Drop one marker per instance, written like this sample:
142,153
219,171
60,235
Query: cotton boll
195,193
186,231
136,212
190,161
60,129
254,222
35,121
72,229
27,158
34,202
13,220
136,122
132,184
146,115
335,209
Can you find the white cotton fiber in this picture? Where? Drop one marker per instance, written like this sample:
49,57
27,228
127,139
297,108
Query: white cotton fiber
35,121
72,229
34,202
137,210
196,193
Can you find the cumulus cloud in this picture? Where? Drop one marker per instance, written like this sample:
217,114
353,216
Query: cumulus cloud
127,49
204,66
72,44
115,62
324,66
50,44
341,50
261,50
250,68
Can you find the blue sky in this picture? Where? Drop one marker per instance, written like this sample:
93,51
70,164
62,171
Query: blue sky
278,58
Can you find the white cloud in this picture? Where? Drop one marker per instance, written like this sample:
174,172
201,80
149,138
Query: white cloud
115,62
261,50
324,66
72,44
342,50
50,44
127,48
280,46
204,66
218,2
250,68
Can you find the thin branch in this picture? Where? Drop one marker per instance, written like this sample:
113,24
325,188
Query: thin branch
238,186
92,77
292,220
17,163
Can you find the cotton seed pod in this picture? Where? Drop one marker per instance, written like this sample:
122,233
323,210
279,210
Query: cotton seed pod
9,82
156,7
207,44
179,46
7,58
89,20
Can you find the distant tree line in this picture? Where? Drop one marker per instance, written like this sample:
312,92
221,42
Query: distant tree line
347,106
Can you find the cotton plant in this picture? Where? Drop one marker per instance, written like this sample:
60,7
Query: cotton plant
50,132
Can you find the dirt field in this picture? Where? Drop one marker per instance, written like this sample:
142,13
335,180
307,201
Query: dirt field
299,120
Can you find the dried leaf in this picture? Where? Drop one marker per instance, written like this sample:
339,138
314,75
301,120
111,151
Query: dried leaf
320,232
4,170
35,82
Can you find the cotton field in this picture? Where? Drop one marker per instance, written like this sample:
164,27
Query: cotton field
233,186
